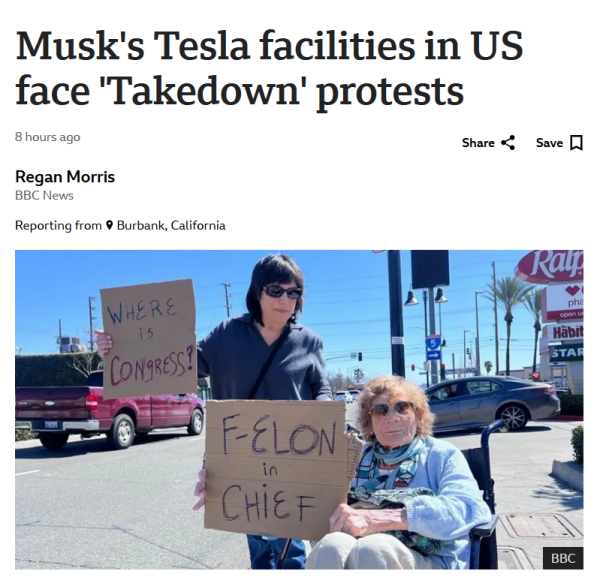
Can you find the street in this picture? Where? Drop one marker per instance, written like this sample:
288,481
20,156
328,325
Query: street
89,507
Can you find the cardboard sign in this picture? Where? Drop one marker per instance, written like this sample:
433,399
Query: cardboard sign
277,468
153,339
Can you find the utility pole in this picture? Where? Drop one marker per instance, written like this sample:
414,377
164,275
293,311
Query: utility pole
425,308
453,367
441,338
227,296
92,318
434,363
465,352
496,320
396,318
478,363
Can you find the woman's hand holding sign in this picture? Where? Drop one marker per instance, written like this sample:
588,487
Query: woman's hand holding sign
200,490
104,343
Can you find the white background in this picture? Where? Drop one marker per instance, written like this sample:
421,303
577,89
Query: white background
286,176
281,177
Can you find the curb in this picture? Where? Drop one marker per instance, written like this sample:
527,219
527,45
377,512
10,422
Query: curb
564,418
569,472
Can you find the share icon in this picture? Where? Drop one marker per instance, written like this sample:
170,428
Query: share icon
510,146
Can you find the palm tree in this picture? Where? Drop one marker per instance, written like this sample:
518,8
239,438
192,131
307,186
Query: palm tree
510,292
533,302
488,366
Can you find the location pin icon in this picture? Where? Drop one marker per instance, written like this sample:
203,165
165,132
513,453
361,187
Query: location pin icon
109,224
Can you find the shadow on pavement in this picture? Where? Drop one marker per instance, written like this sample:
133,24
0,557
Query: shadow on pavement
532,428
90,446
562,493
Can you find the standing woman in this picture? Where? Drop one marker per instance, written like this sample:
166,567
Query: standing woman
235,353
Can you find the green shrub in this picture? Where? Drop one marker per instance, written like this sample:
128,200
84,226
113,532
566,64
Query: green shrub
571,405
24,434
51,370
577,443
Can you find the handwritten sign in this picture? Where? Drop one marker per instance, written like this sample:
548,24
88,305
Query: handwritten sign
154,340
277,468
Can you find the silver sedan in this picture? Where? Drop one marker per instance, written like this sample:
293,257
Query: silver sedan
477,401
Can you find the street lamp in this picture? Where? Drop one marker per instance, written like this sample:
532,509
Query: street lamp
477,334
412,300
465,332
439,299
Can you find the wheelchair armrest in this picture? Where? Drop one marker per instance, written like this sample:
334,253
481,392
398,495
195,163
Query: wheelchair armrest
485,530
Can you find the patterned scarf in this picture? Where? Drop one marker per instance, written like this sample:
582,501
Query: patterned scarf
406,457
390,490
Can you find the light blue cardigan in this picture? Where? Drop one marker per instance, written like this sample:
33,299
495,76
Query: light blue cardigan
457,507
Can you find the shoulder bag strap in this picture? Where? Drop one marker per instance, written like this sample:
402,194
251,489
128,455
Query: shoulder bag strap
278,344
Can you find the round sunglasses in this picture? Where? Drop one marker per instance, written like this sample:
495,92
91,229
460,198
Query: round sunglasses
277,291
381,410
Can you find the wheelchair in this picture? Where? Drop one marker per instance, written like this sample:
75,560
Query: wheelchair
484,547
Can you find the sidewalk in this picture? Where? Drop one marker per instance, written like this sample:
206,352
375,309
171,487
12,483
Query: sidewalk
535,509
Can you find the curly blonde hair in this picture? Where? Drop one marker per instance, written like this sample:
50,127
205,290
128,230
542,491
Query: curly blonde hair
395,385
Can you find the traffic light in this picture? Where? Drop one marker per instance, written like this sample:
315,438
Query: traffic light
412,366
443,372
360,356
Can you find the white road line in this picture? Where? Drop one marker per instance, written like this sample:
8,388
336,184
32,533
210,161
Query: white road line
30,472
195,439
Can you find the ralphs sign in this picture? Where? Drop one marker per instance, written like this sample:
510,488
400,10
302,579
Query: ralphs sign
551,266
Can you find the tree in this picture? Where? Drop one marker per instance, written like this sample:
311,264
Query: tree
337,381
533,302
510,292
86,362
358,374
488,366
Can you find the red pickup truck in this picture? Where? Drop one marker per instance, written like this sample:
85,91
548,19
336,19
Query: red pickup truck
56,412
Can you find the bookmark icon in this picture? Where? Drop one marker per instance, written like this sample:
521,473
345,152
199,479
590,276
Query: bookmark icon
577,142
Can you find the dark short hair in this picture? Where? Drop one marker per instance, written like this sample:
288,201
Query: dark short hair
275,268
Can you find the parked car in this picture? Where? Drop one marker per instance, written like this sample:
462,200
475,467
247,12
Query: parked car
57,412
343,396
477,401
354,395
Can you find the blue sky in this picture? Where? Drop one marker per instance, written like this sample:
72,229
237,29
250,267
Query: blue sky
347,301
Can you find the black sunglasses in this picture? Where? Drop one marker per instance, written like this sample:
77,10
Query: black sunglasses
381,410
277,291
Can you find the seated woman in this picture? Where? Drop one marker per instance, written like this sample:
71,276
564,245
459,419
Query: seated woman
413,500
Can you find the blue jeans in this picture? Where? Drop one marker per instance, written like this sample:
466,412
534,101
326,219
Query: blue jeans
264,553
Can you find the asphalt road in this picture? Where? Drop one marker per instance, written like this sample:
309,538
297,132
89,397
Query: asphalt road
90,507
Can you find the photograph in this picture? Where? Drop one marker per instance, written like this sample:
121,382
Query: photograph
300,409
